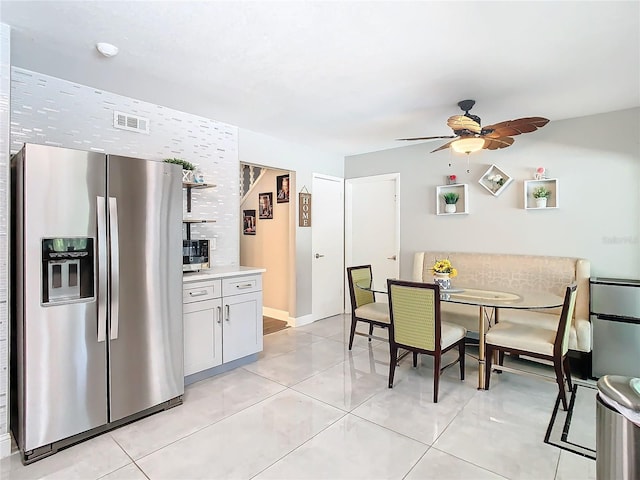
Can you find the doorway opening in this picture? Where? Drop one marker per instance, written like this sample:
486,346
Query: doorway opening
266,237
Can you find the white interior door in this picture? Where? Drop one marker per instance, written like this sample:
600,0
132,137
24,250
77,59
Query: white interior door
373,226
327,239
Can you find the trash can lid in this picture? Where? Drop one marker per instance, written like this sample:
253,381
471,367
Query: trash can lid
625,391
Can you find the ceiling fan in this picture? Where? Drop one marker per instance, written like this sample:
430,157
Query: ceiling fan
471,137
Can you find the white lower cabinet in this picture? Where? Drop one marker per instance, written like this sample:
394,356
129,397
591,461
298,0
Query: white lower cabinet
242,332
222,321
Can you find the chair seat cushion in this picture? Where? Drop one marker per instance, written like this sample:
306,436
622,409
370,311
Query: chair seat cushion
377,311
522,337
450,334
540,319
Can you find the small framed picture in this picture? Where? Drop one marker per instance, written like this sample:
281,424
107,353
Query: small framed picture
249,222
265,202
282,186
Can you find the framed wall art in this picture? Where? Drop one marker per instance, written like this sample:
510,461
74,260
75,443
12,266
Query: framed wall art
265,202
282,186
249,222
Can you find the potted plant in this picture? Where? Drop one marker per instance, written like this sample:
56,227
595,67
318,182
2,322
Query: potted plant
450,200
187,168
541,194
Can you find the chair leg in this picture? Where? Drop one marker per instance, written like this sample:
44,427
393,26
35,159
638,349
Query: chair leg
557,364
488,355
370,330
393,354
353,331
500,361
461,360
415,359
567,372
436,377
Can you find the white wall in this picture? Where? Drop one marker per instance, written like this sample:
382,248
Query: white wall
596,160
269,247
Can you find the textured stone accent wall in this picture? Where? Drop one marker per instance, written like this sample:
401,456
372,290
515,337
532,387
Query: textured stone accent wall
4,229
51,111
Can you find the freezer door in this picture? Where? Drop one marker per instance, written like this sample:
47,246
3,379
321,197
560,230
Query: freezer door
616,299
145,330
616,346
62,387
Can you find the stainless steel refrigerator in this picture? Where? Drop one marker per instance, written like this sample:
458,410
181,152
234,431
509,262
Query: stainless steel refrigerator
615,317
97,294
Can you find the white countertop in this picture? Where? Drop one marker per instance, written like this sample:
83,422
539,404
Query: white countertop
220,272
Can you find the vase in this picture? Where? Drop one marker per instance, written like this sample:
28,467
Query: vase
187,176
541,202
442,279
450,208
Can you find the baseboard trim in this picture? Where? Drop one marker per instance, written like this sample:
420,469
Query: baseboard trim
5,445
300,321
275,313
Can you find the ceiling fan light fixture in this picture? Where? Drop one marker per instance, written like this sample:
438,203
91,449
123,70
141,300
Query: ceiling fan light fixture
468,145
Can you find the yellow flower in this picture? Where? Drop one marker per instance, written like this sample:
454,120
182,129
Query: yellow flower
444,266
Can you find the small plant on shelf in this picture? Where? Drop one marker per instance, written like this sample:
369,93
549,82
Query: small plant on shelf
541,192
183,163
450,198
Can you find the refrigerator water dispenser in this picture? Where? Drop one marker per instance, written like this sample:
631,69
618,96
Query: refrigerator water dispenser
67,270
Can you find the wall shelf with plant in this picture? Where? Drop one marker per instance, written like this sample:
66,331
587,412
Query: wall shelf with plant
495,180
452,199
541,194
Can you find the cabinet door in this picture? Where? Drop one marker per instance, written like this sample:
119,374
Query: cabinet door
242,330
202,335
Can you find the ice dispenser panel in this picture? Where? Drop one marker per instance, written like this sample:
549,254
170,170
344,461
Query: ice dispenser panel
67,270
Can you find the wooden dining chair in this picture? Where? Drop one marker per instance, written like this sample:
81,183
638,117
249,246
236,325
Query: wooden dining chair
537,342
416,326
364,307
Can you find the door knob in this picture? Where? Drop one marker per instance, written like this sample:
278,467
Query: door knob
392,258
318,255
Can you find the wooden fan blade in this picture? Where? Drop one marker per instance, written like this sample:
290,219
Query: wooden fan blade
460,122
427,138
515,127
446,145
496,143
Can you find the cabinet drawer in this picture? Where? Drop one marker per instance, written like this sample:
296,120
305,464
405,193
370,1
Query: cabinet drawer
244,284
200,291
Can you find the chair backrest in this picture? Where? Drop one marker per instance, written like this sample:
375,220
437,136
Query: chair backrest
359,296
414,311
561,344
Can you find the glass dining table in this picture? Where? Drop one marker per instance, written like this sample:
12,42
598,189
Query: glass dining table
489,302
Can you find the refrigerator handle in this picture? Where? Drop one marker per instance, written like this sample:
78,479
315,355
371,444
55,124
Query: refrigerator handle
115,266
101,211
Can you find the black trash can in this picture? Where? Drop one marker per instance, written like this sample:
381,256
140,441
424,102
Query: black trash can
618,428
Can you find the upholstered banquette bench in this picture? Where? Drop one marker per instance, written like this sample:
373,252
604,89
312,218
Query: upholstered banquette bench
514,273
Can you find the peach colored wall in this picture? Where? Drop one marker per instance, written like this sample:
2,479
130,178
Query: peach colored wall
269,247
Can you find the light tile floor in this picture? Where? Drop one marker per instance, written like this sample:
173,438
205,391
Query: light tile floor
309,408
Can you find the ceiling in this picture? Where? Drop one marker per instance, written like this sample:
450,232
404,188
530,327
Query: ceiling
342,76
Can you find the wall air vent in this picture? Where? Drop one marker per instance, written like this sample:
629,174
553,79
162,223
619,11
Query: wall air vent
133,123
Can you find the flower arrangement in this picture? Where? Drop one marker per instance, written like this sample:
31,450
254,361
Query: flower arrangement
541,192
444,266
451,198
497,180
